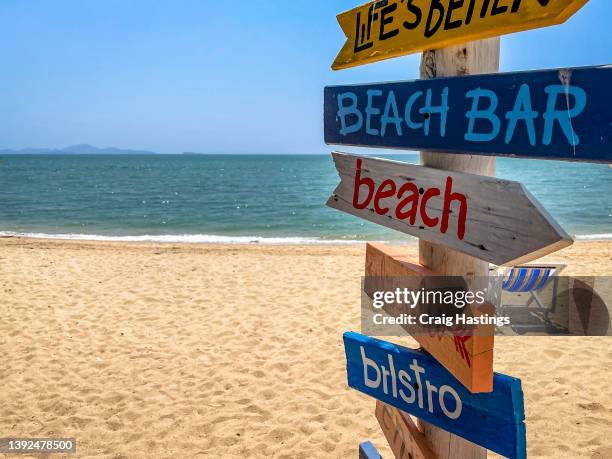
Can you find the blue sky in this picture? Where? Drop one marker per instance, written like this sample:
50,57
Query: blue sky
209,76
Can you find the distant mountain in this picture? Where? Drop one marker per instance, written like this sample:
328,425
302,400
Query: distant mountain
82,149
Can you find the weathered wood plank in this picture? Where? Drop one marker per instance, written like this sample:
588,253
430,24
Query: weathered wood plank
464,59
415,383
468,358
561,114
405,439
494,220
381,30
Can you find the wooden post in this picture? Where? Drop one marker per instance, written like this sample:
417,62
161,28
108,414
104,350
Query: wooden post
471,58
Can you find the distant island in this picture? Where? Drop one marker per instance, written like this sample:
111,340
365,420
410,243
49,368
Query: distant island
82,149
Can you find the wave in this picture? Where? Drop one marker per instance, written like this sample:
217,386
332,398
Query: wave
595,237
185,238
219,239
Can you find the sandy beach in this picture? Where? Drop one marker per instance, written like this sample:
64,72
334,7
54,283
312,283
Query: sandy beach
160,350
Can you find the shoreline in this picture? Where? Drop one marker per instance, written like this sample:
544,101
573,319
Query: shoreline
584,258
221,241
411,242
357,248
248,241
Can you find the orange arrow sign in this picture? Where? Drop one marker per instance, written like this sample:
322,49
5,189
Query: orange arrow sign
390,28
468,358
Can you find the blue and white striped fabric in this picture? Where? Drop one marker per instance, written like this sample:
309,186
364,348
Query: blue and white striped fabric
527,279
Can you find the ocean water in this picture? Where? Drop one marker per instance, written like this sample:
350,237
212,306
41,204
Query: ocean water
246,198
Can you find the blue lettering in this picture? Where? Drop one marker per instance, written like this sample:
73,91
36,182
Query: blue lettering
346,110
371,110
522,111
391,105
408,110
487,114
442,109
563,116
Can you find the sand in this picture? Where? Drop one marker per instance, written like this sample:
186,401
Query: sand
150,350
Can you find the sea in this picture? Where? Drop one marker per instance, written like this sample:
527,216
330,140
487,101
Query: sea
271,199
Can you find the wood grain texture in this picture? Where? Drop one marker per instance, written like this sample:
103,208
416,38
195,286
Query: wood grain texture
474,57
416,383
469,359
381,30
502,224
404,438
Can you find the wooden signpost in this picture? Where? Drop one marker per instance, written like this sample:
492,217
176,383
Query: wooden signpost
492,219
404,437
416,384
474,57
390,28
468,358
561,114
464,221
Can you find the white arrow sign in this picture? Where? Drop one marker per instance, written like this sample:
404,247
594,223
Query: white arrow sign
494,220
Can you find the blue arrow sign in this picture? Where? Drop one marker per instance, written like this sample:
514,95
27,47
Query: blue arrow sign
561,114
415,383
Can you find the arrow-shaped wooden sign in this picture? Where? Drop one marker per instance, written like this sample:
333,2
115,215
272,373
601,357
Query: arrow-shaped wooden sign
390,28
494,220
415,383
468,358
550,114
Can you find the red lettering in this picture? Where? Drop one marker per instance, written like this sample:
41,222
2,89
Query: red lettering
410,204
449,197
382,194
431,222
413,200
460,347
358,182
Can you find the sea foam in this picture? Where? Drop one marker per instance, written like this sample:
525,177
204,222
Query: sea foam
184,238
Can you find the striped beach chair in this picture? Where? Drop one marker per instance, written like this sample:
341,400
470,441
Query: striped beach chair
531,279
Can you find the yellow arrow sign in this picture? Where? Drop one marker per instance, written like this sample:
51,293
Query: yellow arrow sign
390,28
